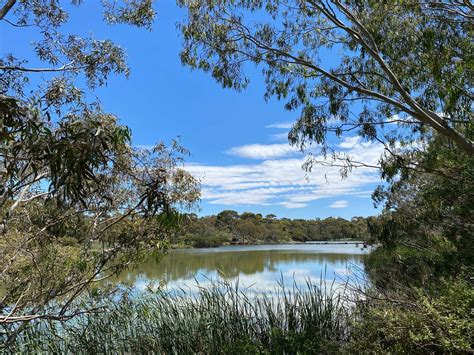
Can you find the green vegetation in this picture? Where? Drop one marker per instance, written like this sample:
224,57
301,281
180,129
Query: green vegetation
221,319
398,70
77,203
400,75
424,321
228,227
422,298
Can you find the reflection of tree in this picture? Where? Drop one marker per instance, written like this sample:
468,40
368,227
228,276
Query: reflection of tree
186,264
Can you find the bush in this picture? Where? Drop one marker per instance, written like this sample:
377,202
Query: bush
419,264
439,322
206,240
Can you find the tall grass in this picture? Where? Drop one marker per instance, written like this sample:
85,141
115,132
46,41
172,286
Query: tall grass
221,318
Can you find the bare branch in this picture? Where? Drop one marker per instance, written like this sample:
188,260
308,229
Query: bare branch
65,67
6,8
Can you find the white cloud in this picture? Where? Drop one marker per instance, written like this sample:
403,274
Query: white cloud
280,136
339,204
283,182
281,125
350,142
289,204
263,151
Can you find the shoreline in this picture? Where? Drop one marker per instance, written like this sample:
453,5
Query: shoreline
312,242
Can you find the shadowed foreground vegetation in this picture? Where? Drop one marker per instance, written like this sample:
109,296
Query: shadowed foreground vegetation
78,203
220,319
223,318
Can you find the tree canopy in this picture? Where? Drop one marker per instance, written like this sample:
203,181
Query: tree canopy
77,202
392,71
230,227
396,72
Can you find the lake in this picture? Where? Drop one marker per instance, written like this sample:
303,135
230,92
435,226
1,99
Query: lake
260,267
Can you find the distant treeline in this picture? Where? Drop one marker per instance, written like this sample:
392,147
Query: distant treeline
230,227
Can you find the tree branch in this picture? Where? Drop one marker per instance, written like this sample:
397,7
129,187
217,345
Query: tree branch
424,115
65,67
6,8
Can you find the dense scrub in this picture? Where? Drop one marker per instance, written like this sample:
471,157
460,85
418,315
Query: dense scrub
230,227
422,298
417,322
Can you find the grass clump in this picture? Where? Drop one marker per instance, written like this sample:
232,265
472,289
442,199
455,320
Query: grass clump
218,319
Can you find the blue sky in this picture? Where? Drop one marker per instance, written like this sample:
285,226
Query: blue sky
237,140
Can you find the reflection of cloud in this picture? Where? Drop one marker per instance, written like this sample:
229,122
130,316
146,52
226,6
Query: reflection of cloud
346,271
141,285
302,276
297,272
256,284
259,267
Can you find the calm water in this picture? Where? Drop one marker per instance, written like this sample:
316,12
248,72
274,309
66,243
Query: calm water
259,267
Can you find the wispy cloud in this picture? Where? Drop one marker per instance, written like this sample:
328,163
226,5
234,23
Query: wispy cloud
280,180
280,136
350,142
289,204
281,125
263,151
339,204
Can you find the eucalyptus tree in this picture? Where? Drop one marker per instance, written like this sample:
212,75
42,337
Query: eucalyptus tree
77,202
395,72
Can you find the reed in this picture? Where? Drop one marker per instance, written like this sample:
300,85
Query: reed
220,318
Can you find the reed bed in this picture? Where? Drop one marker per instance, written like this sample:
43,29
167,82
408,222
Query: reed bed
217,319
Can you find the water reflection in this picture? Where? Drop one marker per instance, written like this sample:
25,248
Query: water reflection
260,266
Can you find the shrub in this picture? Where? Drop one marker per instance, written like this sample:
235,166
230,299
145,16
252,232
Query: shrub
438,322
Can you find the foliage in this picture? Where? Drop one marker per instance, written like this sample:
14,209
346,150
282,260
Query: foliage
422,297
398,70
219,319
427,220
399,73
77,202
228,227
425,323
